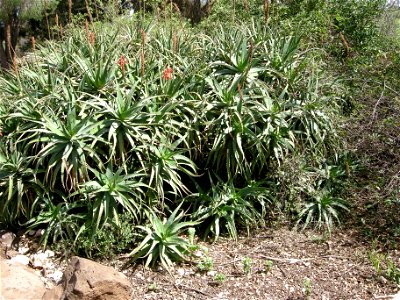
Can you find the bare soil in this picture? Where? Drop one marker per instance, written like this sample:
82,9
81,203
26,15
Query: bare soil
336,268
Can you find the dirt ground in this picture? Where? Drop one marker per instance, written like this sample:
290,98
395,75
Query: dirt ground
282,264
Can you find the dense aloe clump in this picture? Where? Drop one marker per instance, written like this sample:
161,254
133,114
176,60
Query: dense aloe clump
138,120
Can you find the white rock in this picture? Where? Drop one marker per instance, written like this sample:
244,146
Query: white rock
212,273
23,250
180,272
56,276
49,253
37,264
49,265
40,256
198,253
21,259
39,259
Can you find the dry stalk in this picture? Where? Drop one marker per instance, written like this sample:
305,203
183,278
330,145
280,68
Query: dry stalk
266,10
209,5
240,92
345,44
33,41
175,44
89,13
142,60
246,5
15,65
87,29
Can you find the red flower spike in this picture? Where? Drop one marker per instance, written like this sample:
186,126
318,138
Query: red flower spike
92,38
122,61
167,73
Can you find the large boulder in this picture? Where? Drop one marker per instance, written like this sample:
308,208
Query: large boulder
87,280
19,282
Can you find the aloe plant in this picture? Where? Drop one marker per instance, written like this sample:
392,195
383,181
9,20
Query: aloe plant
161,241
130,119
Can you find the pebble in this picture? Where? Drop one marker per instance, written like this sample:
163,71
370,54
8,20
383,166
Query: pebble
181,272
49,253
212,273
23,250
198,253
56,276
7,239
382,279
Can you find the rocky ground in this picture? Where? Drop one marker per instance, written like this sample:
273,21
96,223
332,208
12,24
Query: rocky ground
272,264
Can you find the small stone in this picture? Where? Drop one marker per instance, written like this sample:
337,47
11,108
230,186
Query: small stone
21,259
382,279
7,239
23,250
41,256
49,253
212,273
198,253
49,265
37,264
56,276
39,260
31,232
181,272
39,232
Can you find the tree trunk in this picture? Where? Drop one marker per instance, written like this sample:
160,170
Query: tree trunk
3,59
70,10
10,40
14,34
196,12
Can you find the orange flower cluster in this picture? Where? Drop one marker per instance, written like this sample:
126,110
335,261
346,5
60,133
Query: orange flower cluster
167,73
